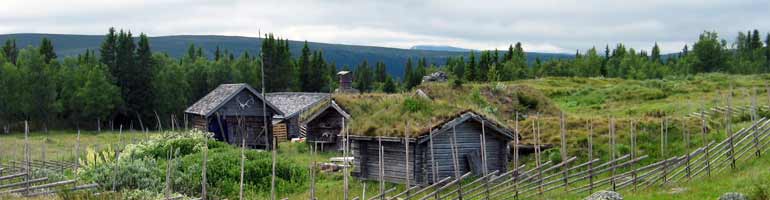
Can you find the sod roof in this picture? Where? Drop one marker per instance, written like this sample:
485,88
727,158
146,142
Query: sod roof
396,115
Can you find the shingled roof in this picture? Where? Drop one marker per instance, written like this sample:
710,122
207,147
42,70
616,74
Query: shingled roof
292,103
221,95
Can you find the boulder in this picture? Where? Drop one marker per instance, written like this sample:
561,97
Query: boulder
733,196
605,195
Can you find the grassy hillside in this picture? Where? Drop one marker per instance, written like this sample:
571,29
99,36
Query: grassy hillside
176,46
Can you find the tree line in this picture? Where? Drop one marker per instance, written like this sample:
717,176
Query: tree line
746,55
127,83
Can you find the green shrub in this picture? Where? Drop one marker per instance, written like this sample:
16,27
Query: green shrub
144,173
223,173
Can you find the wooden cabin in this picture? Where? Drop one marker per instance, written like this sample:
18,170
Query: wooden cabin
324,127
292,104
234,112
466,129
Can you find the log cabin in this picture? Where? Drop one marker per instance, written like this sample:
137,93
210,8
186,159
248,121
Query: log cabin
235,113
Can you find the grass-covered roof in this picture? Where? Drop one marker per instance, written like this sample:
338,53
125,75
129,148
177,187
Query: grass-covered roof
395,115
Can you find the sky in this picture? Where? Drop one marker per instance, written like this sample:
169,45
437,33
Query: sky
558,26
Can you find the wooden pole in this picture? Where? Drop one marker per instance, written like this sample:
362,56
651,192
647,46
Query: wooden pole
382,170
406,158
686,135
456,161
612,152
754,117
27,158
516,157
345,156
77,151
729,130
633,153
705,142
432,155
98,125
243,156
536,127
204,182
485,170
663,138
160,125
272,181
564,151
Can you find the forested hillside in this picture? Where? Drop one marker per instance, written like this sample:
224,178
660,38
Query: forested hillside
128,79
176,47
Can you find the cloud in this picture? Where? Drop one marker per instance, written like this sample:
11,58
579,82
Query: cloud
547,25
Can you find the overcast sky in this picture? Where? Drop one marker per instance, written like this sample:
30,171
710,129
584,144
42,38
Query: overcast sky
542,25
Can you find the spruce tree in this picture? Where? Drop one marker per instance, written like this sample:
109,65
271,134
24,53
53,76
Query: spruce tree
408,74
655,57
303,65
389,86
46,50
217,54
381,72
108,51
10,50
470,68
756,41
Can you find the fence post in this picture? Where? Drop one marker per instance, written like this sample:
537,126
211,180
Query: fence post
536,128
204,182
485,169
754,117
633,154
345,147
516,158
27,158
729,130
406,159
612,152
381,170
590,156
456,161
564,152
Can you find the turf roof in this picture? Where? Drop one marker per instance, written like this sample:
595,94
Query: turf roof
396,115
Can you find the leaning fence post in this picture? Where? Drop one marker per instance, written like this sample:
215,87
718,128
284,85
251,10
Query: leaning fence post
456,161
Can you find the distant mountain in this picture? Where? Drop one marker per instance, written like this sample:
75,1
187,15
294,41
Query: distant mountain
176,46
439,48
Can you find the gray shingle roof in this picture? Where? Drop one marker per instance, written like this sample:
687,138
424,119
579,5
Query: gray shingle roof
292,103
221,95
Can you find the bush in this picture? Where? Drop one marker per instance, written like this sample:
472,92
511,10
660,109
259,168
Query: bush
223,173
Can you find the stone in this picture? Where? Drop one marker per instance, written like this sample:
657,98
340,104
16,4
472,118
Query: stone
605,195
733,196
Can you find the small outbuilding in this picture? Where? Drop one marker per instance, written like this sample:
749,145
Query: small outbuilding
325,125
464,132
234,113
292,104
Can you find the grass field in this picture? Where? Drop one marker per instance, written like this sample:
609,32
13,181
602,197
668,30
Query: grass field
581,99
61,145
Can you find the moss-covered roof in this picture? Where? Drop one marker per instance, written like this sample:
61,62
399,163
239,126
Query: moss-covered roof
396,115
